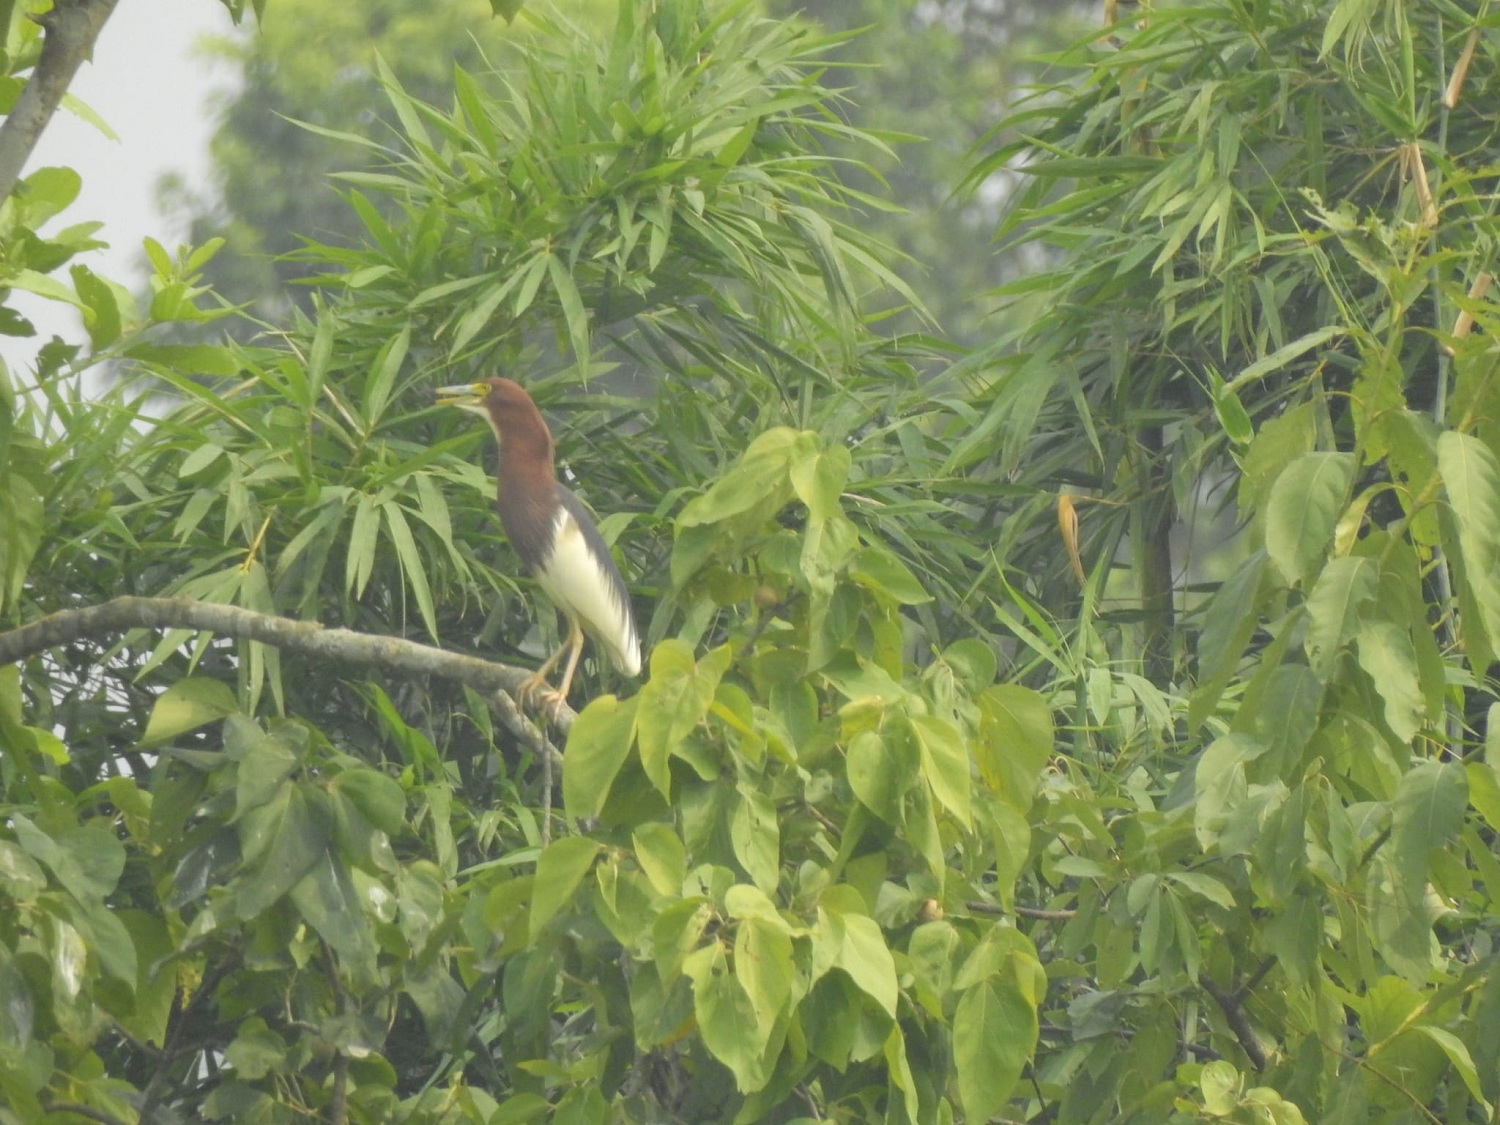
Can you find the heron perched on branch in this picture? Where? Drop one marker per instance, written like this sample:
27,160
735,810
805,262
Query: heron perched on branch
553,534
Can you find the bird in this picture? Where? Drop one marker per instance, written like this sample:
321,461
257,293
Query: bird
553,534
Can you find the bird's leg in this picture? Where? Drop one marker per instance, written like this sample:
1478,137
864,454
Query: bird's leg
575,645
535,685
535,688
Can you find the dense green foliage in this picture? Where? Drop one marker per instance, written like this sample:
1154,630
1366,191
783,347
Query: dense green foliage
904,823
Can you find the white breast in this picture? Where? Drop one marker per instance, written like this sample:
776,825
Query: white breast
574,578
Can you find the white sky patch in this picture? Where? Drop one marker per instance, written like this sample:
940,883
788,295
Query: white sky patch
148,82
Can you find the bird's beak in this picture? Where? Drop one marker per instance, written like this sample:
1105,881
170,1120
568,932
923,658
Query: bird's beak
466,395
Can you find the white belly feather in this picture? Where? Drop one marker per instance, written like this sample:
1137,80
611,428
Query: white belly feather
573,578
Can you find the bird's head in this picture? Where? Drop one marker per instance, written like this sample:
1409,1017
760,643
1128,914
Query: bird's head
488,397
507,407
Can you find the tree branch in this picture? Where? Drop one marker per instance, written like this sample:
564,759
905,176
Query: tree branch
1232,1005
305,637
70,30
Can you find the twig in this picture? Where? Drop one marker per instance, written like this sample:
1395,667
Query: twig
338,1104
305,637
991,909
1231,1004
70,31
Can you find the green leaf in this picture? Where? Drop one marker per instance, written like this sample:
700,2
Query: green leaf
1344,587
1472,478
413,563
726,1016
1426,814
187,705
865,956
1220,783
256,1050
598,744
101,310
1463,1062
1302,510
383,372
380,798
756,837
1205,886
1387,655
994,1033
945,763
575,316
1280,441
1015,742
292,835
188,359
1284,355
87,861
661,855
881,766
559,870
265,763
763,965
673,702
328,900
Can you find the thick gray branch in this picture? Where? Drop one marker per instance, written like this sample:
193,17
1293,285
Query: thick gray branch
70,30
306,637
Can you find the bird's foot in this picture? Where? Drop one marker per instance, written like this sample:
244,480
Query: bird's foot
536,694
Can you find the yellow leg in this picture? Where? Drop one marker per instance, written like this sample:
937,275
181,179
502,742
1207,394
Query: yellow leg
535,689
575,645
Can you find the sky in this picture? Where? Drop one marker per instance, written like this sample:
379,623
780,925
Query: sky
150,83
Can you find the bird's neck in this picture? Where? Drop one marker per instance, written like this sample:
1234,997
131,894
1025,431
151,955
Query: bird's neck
525,452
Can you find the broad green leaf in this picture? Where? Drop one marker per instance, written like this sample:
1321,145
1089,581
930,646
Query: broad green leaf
87,860
1220,783
327,899
1280,441
994,1033
881,766
1342,590
882,572
818,478
1302,511
660,853
1221,1086
865,956
559,870
187,705
1015,742
101,309
763,964
1387,655
280,842
256,1050
1463,1062
1484,793
673,702
265,763
1426,814
1204,885
945,763
1472,479
1295,936
726,1016
756,837
379,797
898,1067
598,744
